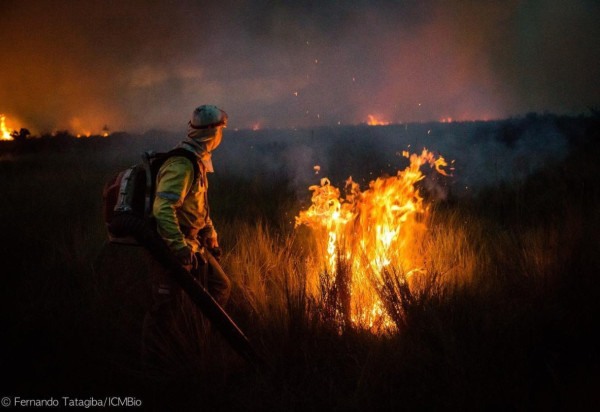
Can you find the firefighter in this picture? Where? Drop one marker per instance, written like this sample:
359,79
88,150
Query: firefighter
183,221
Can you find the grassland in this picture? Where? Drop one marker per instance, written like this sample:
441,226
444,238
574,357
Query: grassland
506,317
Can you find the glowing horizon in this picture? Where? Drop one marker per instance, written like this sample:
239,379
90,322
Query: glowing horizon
291,65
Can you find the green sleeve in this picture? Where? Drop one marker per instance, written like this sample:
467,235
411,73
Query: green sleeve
173,182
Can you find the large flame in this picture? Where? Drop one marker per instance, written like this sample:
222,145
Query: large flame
371,231
4,131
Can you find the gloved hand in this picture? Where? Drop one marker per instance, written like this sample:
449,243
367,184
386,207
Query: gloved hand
187,258
212,245
210,242
216,252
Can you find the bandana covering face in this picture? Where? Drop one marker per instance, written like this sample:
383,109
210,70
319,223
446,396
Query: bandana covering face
201,135
202,150
207,137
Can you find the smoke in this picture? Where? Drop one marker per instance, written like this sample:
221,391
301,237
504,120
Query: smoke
141,65
479,154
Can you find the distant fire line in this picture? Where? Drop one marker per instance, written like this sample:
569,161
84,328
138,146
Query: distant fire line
7,135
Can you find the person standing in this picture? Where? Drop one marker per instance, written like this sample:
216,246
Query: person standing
183,221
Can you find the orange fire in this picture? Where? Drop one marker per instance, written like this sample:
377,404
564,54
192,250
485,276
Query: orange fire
84,131
369,232
4,132
374,121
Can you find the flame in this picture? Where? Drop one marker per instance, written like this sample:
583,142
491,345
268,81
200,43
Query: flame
4,132
369,232
75,123
82,128
374,121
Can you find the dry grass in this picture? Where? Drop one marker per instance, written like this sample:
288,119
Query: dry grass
503,315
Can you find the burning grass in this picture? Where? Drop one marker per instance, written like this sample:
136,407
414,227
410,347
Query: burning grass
369,242
501,313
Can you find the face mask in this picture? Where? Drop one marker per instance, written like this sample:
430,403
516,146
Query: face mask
216,141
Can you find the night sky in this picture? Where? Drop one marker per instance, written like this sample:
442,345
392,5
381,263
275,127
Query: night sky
141,65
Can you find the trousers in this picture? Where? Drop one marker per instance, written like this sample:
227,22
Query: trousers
172,329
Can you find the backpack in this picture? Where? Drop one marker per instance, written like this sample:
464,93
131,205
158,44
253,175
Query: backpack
128,196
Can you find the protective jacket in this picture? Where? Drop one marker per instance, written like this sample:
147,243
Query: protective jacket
181,205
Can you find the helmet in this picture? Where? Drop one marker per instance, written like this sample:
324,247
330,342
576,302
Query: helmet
208,117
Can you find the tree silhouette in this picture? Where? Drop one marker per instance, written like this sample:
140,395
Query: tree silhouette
21,135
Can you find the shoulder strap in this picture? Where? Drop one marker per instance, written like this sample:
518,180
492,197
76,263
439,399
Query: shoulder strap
180,151
153,162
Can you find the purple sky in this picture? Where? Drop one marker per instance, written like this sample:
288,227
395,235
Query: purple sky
139,65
